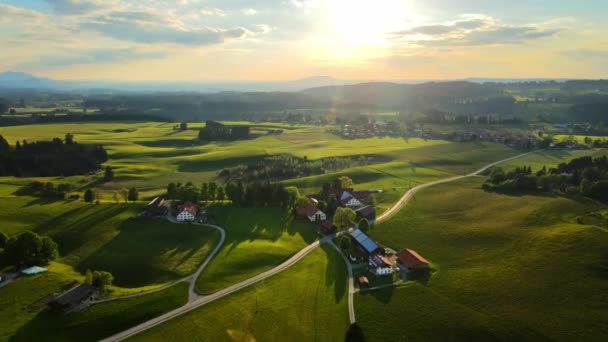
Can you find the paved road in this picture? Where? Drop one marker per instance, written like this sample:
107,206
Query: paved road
191,279
202,300
351,285
394,209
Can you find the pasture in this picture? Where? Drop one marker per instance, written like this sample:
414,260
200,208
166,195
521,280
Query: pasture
19,322
508,267
257,239
307,302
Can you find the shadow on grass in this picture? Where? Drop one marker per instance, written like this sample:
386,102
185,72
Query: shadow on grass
217,164
336,274
149,251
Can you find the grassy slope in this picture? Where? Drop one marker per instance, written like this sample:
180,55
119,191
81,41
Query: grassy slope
137,252
91,324
518,263
304,303
257,239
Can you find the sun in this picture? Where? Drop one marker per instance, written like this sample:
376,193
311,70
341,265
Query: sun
362,22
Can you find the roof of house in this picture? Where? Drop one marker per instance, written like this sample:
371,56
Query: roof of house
33,270
75,295
156,201
368,244
363,280
311,210
327,225
367,211
301,211
410,258
188,207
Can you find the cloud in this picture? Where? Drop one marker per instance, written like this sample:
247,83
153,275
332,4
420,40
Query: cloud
213,12
471,31
152,27
81,6
586,54
249,11
70,57
10,13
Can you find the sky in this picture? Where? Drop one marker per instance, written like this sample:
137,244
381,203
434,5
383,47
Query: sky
292,39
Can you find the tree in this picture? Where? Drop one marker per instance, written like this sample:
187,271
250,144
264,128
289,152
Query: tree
30,249
345,244
332,205
124,194
171,190
97,195
292,196
205,192
354,334
183,126
102,279
89,196
373,201
69,138
364,225
88,277
346,182
221,195
49,250
108,175
212,191
3,239
133,195
343,218
116,196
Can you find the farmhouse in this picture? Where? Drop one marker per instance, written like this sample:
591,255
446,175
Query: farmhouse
314,214
157,207
380,264
365,242
327,227
411,260
72,297
186,212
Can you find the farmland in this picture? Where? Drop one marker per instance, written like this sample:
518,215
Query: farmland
499,264
306,302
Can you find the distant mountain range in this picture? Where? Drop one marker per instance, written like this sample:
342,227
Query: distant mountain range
18,80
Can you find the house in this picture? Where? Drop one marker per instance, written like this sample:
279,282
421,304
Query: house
327,227
72,297
33,270
368,212
380,264
157,207
411,260
186,212
314,214
365,242
350,201
363,280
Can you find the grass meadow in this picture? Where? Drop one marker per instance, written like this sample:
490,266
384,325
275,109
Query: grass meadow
307,302
507,267
257,239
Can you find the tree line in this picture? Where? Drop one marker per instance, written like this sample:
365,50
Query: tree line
50,158
214,130
27,249
585,175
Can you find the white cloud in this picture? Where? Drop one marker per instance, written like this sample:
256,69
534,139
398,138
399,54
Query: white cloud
82,6
470,31
10,13
249,11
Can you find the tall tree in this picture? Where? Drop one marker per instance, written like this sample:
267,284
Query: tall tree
212,190
171,190
343,218
221,195
364,225
124,194
133,194
108,175
3,239
89,196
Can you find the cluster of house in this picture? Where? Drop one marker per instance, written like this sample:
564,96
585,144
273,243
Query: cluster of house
380,264
187,211
348,198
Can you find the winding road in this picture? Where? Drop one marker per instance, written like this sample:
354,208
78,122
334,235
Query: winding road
196,301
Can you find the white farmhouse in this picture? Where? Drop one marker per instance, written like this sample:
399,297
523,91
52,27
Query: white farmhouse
186,212
314,214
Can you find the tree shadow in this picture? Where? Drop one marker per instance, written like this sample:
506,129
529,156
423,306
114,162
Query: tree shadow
336,273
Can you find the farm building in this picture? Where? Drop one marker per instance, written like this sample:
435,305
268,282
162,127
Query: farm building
186,212
327,227
411,260
314,214
72,297
33,270
368,212
157,207
365,242
380,264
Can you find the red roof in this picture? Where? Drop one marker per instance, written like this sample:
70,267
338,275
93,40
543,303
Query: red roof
187,207
311,210
410,259
301,211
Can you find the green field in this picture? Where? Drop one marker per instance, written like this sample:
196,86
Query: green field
257,239
20,323
550,158
307,302
506,267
